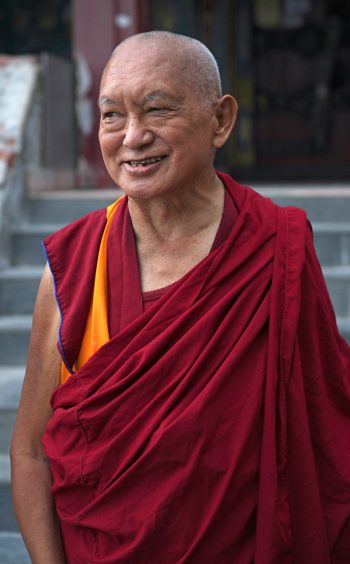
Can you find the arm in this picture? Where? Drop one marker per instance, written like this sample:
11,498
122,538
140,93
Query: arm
31,478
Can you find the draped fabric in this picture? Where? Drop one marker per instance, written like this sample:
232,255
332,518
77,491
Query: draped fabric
213,427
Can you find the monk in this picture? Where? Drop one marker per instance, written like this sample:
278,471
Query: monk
186,398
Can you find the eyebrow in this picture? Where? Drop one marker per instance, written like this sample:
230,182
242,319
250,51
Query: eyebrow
159,94
104,100
154,95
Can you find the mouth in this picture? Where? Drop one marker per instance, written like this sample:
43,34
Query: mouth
144,162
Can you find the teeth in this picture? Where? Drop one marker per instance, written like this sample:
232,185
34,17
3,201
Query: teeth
145,162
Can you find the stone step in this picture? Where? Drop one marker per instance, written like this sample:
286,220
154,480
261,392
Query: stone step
11,379
322,202
10,388
14,339
12,549
5,470
344,327
25,243
7,515
332,242
18,288
66,206
338,283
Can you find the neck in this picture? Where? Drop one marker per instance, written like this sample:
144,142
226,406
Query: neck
175,216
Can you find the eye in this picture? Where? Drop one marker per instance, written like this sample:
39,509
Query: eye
111,115
157,109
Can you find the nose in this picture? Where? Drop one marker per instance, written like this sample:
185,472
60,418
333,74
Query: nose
137,134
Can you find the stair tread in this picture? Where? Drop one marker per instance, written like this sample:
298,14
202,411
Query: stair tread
336,271
330,227
21,271
11,379
307,190
10,534
343,323
12,548
5,469
11,322
33,228
83,195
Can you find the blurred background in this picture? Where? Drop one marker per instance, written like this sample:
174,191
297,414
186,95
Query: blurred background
286,61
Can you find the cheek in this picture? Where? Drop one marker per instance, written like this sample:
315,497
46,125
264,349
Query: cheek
109,144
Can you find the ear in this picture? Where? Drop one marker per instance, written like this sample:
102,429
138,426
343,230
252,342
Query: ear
225,115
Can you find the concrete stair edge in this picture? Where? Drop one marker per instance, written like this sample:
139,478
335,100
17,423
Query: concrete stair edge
15,322
20,271
80,194
11,380
25,228
12,548
341,272
5,468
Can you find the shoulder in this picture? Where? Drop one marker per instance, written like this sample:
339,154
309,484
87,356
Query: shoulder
88,226
76,243
72,255
290,219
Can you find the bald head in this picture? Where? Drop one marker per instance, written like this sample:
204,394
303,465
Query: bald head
162,115
194,62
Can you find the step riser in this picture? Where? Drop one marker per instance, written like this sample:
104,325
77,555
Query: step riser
13,347
7,515
64,211
339,291
12,549
26,249
7,421
318,208
346,335
333,249
17,296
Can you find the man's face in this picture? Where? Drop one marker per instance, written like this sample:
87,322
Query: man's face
155,133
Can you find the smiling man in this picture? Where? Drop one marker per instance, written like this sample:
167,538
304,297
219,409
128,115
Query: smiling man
200,387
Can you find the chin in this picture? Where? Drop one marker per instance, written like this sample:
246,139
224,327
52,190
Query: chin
141,190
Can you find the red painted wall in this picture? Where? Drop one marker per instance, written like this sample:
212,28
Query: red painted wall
98,26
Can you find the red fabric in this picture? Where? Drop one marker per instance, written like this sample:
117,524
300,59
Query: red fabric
148,298
214,428
72,254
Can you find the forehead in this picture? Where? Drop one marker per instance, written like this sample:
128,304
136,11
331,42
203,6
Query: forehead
146,70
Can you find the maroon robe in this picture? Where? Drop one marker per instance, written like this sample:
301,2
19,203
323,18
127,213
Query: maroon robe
213,427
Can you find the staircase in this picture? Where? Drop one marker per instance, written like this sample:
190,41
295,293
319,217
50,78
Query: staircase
18,286
328,209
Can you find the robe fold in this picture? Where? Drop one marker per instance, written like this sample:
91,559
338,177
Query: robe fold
214,426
